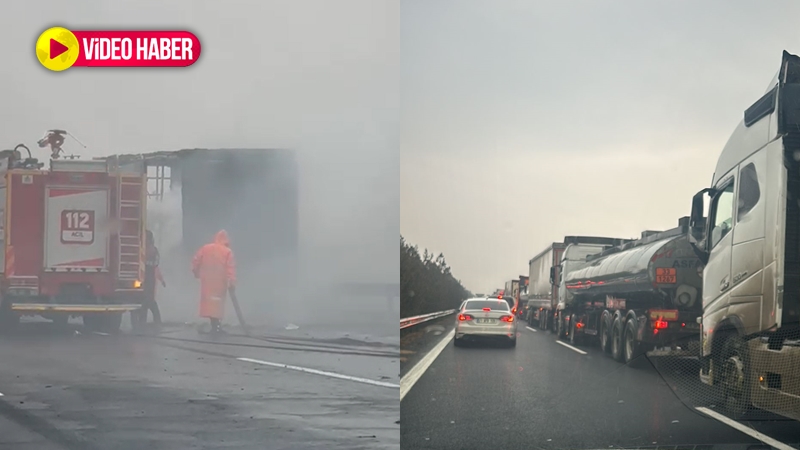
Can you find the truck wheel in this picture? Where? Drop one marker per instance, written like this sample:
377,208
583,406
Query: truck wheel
736,380
112,322
605,339
632,350
616,339
560,327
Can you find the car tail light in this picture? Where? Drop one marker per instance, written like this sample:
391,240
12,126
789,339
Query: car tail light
660,324
463,317
487,309
514,310
507,319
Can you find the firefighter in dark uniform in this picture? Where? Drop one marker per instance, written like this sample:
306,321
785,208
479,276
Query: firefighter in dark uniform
152,274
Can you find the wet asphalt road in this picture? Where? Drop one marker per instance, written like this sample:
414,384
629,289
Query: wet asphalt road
186,391
543,395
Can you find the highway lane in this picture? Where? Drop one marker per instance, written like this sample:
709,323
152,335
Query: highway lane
88,391
546,395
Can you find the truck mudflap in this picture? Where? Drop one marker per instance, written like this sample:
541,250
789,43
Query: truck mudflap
776,377
689,349
64,308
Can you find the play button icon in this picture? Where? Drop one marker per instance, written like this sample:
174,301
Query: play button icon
57,48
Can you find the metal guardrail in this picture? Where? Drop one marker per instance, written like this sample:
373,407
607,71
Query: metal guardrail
416,320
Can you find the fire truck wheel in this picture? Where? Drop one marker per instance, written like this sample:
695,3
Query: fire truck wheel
8,318
112,322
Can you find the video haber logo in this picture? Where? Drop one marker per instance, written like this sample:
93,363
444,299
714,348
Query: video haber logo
59,48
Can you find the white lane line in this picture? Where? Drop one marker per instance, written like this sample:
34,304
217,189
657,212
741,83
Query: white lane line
532,329
571,347
1,394
745,429
322,372
99,333
413,375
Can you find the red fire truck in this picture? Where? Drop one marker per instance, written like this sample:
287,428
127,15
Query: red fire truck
73,239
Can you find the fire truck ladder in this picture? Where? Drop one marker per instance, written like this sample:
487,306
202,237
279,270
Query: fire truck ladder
131,259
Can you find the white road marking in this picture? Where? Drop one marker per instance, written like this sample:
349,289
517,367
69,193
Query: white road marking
1,394
322,372
571,347
100,333
413,375
745,429
532,329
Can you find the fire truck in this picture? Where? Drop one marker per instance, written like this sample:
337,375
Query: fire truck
72,238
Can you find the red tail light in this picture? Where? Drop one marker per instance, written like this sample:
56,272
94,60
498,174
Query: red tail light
579,325
487,309
507,319
660,324
514,310
463,317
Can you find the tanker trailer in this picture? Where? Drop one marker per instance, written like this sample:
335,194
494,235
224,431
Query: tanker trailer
637,297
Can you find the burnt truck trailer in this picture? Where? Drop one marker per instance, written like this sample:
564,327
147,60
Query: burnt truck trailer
636,297
250,193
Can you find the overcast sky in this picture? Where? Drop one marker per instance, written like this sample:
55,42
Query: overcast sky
525,121
318,76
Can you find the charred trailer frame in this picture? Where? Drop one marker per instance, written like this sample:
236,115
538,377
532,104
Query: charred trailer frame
253,194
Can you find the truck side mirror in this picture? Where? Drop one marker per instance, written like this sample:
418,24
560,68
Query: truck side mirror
697,221
698,224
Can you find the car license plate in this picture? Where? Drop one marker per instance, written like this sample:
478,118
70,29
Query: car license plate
485,321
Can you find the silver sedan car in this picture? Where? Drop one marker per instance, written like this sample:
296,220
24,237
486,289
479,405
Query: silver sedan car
485,318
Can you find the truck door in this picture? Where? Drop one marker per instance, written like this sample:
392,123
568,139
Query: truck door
717,277
747,256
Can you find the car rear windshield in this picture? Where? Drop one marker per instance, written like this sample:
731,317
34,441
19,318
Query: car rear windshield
494,305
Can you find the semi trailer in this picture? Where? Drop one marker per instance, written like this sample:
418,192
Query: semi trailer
545,271
749,243
637,297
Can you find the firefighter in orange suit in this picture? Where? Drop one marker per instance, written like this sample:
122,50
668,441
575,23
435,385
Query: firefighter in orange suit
215,266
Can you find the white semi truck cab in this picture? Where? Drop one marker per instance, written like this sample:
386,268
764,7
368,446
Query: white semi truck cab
749,242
